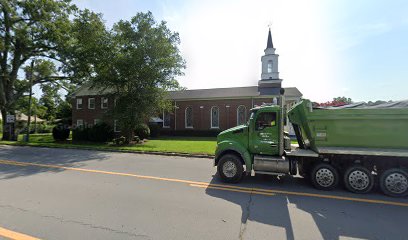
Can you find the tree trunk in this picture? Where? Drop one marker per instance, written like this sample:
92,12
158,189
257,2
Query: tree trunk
3,123
9,132
129,134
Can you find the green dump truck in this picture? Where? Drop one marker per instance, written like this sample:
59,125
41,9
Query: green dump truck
359,146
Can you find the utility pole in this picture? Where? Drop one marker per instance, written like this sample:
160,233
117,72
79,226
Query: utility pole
29,101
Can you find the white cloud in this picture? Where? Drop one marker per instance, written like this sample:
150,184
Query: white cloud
223,41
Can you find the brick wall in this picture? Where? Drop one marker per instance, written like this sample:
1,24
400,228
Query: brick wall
201,112
89,115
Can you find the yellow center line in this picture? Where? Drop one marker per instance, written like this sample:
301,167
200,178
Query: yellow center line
15,235
260,191
231,189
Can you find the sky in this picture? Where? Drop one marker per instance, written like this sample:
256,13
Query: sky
352,48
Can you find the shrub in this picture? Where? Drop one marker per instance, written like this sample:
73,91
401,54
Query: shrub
80,134
119,141
136,139
154,129
60,133
100,132
44,128
142,131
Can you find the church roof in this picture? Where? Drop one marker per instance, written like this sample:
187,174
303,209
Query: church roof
269,44
235,92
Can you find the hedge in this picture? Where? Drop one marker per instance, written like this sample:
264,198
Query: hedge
142,131
60,133
100,132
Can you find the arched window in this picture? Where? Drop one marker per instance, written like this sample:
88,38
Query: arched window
270,64
241,115
189,117
215,117
166,119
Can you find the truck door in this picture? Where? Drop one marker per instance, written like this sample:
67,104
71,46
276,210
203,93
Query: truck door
265,134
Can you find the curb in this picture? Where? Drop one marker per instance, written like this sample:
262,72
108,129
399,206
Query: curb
174,154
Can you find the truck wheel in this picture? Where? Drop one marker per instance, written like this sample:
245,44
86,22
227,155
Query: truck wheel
230,168
324,176
394,182
358,179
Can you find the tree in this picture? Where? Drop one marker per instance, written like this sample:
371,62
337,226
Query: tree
50,99
64,111
63,42
22,104
139,67
343,100
338,101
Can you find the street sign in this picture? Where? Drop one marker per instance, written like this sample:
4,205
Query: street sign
10,118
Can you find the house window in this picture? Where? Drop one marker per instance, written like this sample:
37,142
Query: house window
166,119
241,115
80,123
79,103
116,127
215,117
189,117
91,103
104,102
97,121
269,66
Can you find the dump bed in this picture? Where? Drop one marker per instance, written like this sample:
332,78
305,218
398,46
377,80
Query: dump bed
376,128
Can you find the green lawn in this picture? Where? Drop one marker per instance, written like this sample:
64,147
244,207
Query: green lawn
194,145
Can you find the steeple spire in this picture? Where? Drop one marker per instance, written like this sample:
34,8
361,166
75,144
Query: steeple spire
270,43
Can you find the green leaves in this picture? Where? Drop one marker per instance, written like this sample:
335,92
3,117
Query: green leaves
139,67
138,59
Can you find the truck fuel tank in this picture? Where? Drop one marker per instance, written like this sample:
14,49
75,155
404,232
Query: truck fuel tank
274,164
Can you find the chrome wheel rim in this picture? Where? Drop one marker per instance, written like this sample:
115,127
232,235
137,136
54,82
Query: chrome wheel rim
229,169
396,183
324,177
358,180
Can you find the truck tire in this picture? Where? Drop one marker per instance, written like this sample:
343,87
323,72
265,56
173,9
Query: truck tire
358,179
230,168
324,177
394,182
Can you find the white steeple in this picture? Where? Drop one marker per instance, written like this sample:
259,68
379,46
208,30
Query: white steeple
270,61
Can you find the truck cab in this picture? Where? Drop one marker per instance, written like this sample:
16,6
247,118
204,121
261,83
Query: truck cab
258,145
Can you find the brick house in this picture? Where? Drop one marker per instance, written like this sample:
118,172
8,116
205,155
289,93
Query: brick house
208,111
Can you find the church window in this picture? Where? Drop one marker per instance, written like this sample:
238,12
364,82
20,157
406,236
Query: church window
215,117
166,119
270,66
189,117
91,103
104,102
116,127
79,103
241,115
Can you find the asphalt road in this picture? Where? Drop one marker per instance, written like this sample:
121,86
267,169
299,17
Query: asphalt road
80,194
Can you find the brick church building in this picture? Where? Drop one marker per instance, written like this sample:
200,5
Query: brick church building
206,111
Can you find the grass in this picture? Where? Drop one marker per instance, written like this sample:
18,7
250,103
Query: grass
191,145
